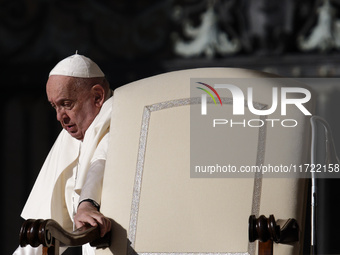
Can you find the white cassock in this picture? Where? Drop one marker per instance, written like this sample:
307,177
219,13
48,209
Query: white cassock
72,171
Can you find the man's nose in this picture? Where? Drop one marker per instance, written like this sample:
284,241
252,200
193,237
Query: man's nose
61,114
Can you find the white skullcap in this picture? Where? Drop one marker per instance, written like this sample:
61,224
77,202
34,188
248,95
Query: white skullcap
77,66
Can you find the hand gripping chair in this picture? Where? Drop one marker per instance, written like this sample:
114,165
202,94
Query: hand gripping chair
158,208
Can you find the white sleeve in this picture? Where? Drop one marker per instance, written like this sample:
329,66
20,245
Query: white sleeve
92,188
102,148
29,250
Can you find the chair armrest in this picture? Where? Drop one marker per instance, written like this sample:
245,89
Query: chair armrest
50,234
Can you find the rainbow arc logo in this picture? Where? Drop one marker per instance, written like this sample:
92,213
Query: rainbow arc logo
204,96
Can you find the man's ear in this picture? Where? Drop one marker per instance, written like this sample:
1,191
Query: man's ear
99,95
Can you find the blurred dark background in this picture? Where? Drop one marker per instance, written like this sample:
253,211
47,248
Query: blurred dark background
131,40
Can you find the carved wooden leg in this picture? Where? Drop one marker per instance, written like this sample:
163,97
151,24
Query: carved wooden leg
267,231
45,251
54,249
49,250
266,248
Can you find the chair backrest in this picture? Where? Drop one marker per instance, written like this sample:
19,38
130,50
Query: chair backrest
149,192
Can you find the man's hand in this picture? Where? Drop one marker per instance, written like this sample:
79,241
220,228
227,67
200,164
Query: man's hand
88,214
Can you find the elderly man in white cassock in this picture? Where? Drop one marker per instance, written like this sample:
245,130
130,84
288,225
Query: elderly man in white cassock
68,188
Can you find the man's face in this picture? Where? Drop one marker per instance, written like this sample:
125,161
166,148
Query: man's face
75,107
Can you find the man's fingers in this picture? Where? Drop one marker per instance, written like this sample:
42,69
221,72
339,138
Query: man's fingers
105,227
93,217
89,219
104,223
78,224
98,217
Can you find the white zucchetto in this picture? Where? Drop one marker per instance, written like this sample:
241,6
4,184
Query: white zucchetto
77,66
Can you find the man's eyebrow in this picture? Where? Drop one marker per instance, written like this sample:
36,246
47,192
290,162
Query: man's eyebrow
62,99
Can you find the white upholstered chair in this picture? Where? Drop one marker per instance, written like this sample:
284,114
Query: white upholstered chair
159,209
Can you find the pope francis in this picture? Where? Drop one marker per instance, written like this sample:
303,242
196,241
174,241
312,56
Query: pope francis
68,188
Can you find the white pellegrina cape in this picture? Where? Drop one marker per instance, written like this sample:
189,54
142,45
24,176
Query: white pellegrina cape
47,198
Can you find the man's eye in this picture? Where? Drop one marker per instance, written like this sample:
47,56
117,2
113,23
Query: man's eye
67,105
